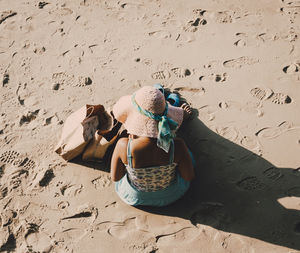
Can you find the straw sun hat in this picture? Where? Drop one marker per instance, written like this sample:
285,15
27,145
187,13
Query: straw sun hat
150,99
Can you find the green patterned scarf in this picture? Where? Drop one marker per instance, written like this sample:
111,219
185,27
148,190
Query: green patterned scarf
166,126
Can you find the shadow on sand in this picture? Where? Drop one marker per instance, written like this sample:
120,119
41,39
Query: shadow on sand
236,190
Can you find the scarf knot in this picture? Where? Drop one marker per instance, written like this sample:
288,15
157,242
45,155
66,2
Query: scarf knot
166,125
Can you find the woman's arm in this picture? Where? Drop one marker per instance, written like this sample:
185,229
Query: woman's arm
183,160
117,167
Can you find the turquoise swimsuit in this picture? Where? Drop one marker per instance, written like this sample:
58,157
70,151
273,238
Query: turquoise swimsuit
151,186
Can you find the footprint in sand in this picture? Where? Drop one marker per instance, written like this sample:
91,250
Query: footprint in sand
6,14
147,62
130,228
193,25
83,81
269,95
101,182
39,50
56,86
181,72
16,177
249,107
234,135
250,184
207,112
240,62
71,190
240,43
27,164
228,132
42,5
160,34
263,37
10,157
78,223
5,79
280,99
223,17
63,78
106,225
14,173
16,159
64,11
3,191
122,230
2,128
35,239
63,205
198,91
211,65
273,132
292,11
176,72
291,2
261,94
210,213
199,12
38,241
28,117
47,177
251,143
9,245
22,93
218,78
2,168
273,173
7,216
291,69
52,119
161,75
142,240
198,20
245,40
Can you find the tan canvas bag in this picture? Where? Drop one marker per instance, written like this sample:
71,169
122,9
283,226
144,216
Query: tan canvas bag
79,128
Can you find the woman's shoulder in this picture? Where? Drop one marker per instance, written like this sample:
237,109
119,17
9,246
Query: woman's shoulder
121,149
122,143
135,143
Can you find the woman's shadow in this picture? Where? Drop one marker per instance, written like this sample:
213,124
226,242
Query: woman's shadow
236,190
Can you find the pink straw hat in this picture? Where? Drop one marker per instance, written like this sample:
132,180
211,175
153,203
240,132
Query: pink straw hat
150,99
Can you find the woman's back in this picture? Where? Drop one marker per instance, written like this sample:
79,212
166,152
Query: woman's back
152,175
145,153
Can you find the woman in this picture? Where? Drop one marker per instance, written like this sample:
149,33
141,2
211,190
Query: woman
150,166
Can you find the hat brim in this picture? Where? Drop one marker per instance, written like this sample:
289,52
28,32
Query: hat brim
138,124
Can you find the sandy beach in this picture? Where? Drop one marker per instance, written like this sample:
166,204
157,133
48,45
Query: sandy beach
237,63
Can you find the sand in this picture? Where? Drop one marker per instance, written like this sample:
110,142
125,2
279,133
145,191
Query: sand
236,62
